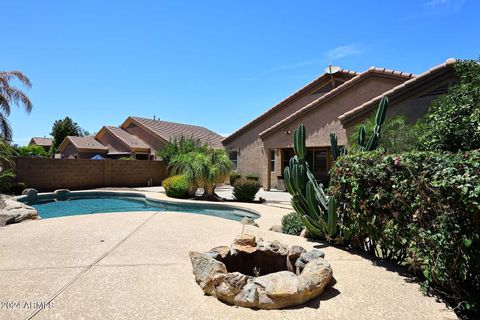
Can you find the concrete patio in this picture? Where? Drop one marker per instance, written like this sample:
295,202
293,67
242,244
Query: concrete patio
135,266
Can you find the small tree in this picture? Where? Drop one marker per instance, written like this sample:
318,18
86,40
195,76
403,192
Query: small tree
10,95
453,120
32,151
205,169
63,128
182,145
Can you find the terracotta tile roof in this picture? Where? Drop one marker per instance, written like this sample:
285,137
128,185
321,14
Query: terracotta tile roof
170,130
367,106
41,141
129,140
83,143
341,88
295,95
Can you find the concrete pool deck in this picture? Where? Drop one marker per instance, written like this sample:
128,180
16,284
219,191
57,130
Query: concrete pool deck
135,266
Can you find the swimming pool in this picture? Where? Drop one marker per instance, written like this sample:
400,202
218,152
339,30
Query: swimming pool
49,206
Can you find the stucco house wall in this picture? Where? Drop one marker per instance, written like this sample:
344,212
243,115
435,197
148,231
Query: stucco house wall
154,142
252,156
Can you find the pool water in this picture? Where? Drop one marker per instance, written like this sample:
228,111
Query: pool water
94,205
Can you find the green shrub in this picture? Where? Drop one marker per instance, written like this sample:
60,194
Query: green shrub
252,176
419,208
234,176
177,187
453,119
12,187
292,223
245,190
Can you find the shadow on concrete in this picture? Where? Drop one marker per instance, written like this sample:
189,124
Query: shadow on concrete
330,293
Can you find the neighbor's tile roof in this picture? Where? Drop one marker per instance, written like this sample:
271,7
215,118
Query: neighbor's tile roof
87,142
336,91
41,141
170,130
407,85
131,141
292,97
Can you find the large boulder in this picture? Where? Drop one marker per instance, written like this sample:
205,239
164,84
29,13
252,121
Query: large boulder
205,268
307,257
14,211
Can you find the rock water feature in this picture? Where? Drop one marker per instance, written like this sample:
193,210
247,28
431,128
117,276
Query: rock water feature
254,273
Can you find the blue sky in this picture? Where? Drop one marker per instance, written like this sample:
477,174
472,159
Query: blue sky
217,64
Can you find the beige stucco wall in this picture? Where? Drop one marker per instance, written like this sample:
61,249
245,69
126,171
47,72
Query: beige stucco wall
152,141
112,142
322,120
71,151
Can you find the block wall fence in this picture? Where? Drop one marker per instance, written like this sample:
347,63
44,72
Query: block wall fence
50,174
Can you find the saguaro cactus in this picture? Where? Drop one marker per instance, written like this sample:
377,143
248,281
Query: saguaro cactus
318,212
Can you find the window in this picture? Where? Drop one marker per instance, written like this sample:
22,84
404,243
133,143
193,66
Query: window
233,156
272,160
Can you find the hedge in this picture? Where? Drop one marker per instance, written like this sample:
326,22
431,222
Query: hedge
420,209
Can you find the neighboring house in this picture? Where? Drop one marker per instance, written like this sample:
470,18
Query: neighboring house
120,144
137,138
73,147
264,146
45,143
157,133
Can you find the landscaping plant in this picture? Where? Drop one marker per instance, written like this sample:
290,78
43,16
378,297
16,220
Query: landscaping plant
292,223
420,209
10,95
252,176
203,169
234,176
318,212
244,190
181,145
32,151
453,120
364,144
177,187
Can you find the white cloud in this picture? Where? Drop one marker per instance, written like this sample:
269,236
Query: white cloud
295,65
343,52
444,6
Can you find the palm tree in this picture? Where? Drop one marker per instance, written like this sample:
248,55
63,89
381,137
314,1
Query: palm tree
6,162
10,95
204,169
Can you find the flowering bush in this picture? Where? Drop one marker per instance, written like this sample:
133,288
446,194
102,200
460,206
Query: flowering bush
418,208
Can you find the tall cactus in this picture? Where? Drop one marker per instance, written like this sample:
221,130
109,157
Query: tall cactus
363,144
372,142
318,212
336,150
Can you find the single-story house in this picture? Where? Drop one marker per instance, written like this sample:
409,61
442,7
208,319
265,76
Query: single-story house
136,137
73,147
157,133
120,144
45,143
332,103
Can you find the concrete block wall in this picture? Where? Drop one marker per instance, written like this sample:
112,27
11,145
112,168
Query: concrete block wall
74,174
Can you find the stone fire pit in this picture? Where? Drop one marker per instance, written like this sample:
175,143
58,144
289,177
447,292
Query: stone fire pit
258,274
